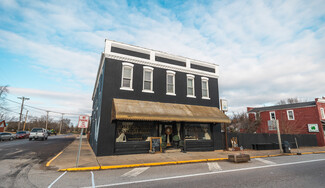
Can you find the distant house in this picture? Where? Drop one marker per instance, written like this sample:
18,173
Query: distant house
297,118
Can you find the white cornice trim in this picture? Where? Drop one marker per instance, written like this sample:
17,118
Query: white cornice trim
141,61
147,51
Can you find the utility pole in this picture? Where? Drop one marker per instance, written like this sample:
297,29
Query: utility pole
21,110
25,120
279,135
47,119
61,124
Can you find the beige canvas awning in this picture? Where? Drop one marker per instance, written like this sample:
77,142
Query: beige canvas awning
124,109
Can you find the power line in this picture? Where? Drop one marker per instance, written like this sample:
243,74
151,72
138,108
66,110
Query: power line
43,109
9,110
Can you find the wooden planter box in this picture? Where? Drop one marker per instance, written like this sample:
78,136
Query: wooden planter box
239,158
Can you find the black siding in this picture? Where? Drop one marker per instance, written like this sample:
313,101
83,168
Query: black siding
131,147
199,67
199,145
130,53
170,61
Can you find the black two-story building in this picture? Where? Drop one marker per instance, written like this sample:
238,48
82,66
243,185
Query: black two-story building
141,93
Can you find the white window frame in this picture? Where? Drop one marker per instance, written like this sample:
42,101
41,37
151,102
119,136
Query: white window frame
322,113
293,115
192,77
147,69
271,115
205,79
124,64
170,73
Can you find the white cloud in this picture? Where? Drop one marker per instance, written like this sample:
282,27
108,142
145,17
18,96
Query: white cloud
63,102
267,51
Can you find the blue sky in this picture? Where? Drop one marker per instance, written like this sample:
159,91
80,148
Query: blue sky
267,50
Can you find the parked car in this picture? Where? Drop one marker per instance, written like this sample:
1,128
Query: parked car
38,133
22,134
6,136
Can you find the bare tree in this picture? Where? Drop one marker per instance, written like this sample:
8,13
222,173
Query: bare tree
289,101
3,93
242,122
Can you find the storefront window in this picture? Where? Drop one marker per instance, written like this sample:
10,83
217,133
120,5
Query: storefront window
135,131
197,131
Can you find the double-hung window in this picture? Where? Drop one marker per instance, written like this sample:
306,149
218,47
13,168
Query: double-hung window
190,86
170,83
147,79
205,88
291,115
127,76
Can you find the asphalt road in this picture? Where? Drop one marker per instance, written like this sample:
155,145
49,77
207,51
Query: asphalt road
23,166
18,157
285,171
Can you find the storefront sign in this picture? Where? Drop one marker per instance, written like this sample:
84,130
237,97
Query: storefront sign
313,128
224,105
155,144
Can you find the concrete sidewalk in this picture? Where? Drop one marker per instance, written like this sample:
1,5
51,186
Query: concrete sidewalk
68,157
66,161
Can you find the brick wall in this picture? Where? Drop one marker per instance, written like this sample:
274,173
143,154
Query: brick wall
302,117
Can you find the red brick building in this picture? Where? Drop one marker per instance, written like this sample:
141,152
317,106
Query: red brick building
298,118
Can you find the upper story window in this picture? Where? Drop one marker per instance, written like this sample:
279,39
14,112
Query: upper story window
147,79
291,115
272,116
170,80
322,113
127,76
205,88
190,86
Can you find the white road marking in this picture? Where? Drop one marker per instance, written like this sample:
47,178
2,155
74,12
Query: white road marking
16,152
56,180
206,173
265,161
135,172
214,167
92,180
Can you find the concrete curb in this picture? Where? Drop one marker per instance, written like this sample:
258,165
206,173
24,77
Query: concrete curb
172,162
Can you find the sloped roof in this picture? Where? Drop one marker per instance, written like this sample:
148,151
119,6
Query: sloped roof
284,106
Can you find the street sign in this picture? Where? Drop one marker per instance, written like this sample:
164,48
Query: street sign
83,121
